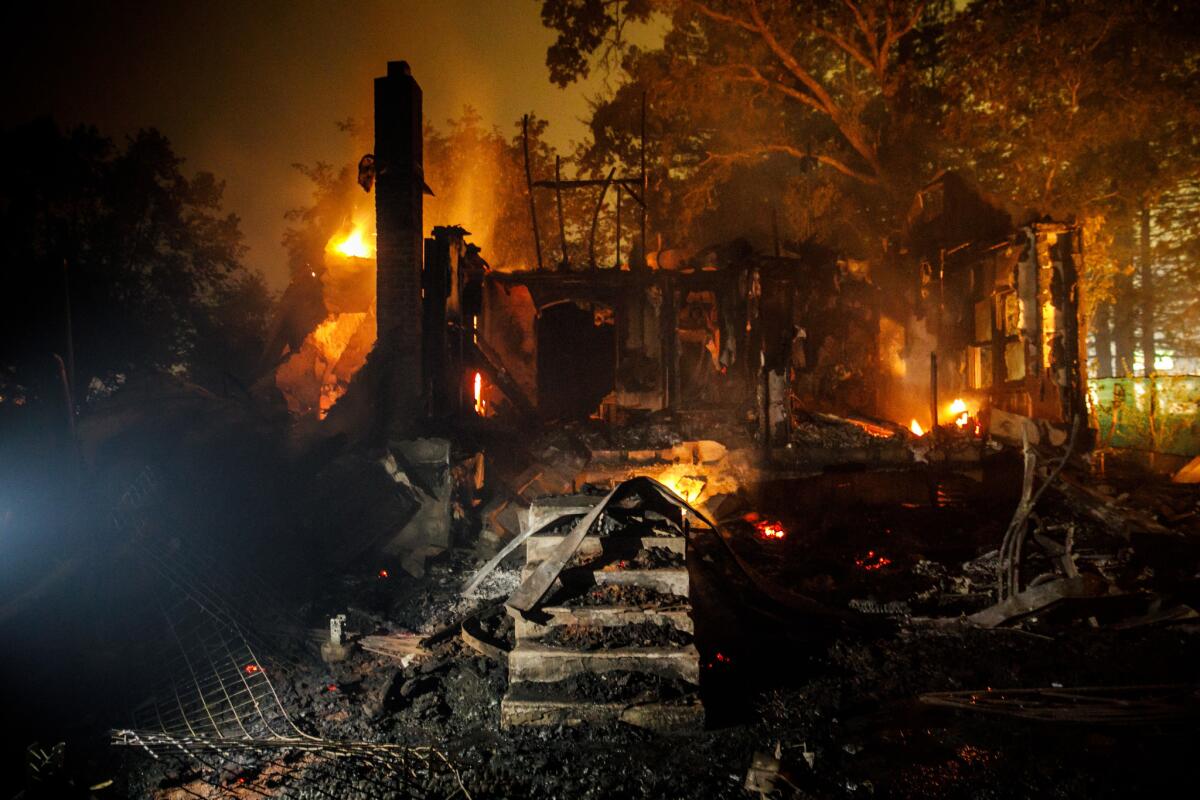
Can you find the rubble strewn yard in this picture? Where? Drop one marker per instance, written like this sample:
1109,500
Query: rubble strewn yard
822,423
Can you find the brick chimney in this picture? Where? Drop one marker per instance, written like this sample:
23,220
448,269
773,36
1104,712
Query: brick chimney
399,187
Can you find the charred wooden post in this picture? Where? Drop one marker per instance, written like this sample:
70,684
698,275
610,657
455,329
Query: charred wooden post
399,190
596,217
537,237
617,254
933,394
645,187
562,225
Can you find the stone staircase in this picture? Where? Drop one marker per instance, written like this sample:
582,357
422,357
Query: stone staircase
613,638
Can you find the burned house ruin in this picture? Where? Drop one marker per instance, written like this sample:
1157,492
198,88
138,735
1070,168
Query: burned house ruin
707,521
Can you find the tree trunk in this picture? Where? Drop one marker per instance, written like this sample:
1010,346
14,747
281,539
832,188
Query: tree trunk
1101,327
1123,332
1147,294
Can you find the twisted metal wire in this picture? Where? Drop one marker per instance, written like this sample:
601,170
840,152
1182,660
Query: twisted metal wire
216,706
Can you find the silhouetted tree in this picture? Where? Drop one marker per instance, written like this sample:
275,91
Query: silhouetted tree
143,258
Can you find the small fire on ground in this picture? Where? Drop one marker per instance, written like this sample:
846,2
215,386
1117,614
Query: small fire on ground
766,529
960,416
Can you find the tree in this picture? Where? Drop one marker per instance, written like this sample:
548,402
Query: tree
1083,108
747,92
139,260
821,120
478,178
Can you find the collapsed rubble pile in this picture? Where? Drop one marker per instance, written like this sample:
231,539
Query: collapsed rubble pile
840,633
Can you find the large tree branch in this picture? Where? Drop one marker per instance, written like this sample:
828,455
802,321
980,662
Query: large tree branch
864,26
894,35
845,124
719,16
794,152
845,45
789,61
754,75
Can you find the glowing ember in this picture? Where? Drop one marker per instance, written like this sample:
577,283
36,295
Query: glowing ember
878,431
478,394
916,428
383,573
352,246
250,669
872,561
768,529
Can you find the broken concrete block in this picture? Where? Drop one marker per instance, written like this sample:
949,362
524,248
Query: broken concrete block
425,464
1008,427
544,510
335,649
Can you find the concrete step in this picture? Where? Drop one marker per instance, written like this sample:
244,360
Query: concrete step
539,548
533,662
544,510
683,714
679,618
672,580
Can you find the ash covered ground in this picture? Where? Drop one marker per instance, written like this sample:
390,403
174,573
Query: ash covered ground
815,650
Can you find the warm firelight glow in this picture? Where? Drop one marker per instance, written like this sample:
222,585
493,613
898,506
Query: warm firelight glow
916,428
689,488
353,245
878,431
770,529
960,412
478,394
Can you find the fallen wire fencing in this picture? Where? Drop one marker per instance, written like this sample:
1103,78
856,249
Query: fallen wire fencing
1091,705
215,706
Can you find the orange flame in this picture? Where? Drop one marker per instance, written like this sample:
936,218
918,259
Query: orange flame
768,529
478,394
352,245
916,428
960,412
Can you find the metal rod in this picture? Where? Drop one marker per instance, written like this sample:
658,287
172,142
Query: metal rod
537,238
645,184
562,228
583,183
596,218
618,247
933,393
